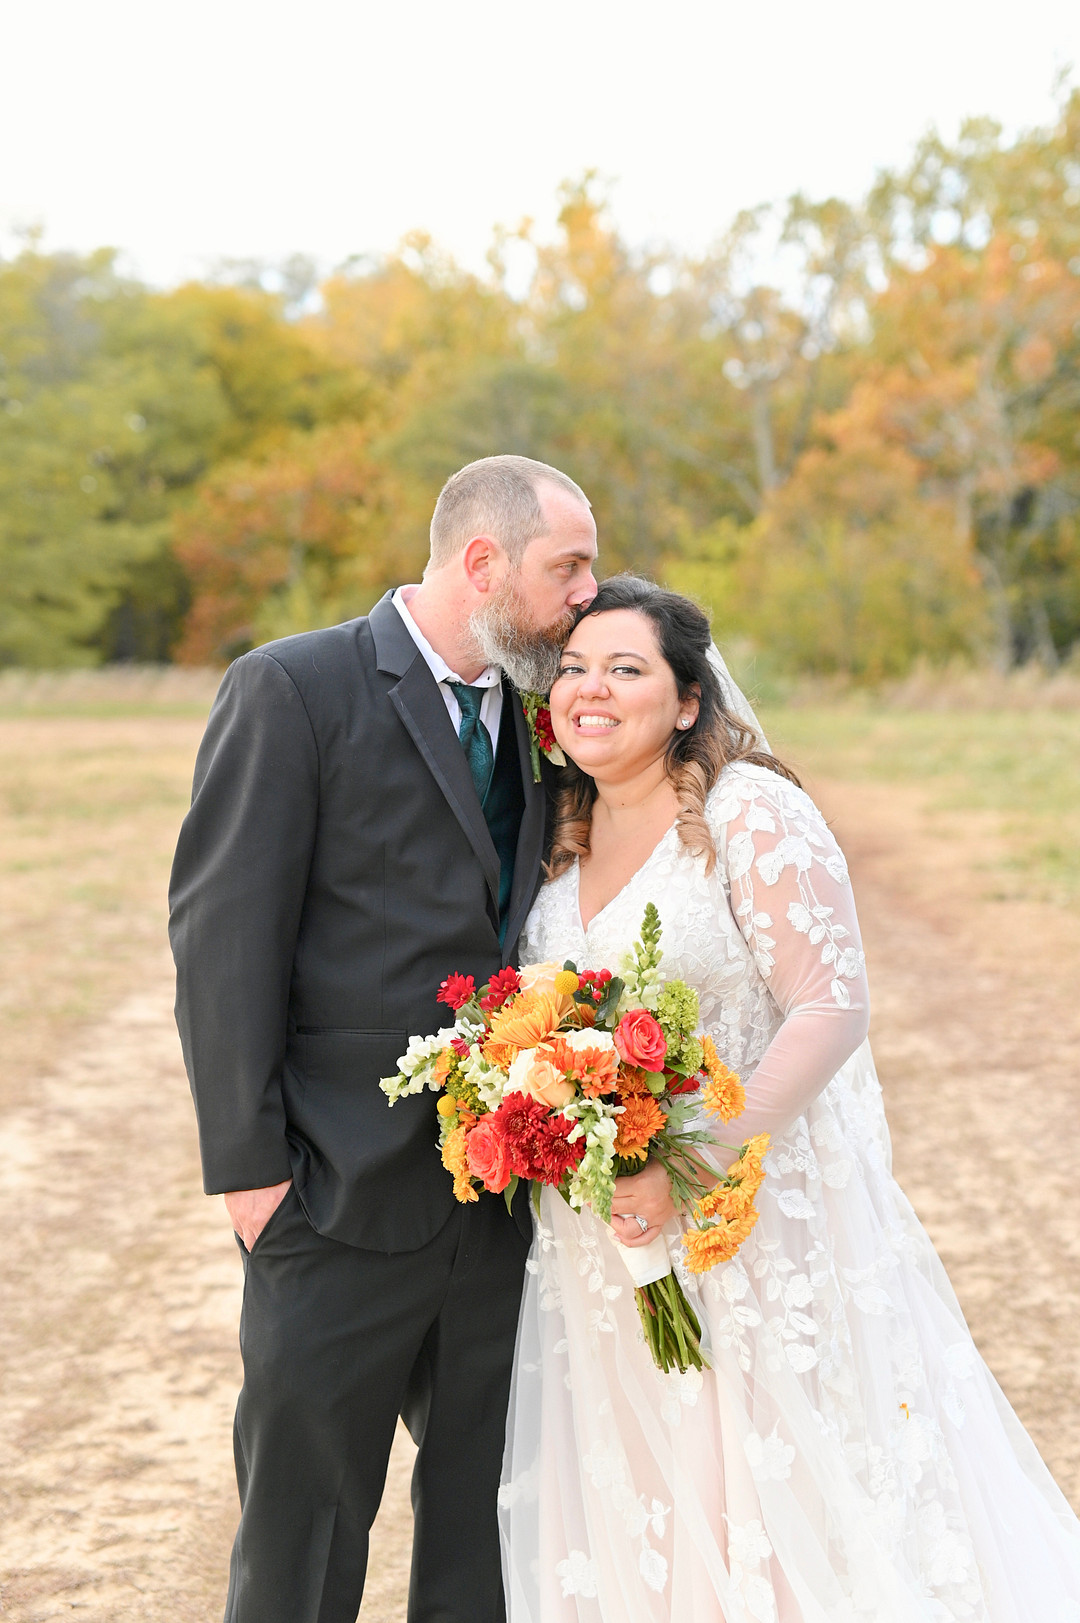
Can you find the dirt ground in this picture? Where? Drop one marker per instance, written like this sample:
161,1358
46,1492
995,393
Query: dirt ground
121,1282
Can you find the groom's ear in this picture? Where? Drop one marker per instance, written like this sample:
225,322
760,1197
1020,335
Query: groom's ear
484,563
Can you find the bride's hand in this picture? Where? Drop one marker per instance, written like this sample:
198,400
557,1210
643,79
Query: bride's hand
648,1195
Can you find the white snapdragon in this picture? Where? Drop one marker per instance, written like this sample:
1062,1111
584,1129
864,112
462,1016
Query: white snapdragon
424,1048
592,1181
643,983
415,1068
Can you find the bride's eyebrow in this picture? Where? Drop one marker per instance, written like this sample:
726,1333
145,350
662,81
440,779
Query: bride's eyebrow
626,653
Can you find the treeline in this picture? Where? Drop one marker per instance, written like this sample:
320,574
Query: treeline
851,428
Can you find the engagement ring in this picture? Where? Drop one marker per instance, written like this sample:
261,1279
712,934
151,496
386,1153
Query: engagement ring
642,1222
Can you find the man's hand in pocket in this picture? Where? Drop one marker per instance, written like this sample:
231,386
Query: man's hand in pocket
251,1209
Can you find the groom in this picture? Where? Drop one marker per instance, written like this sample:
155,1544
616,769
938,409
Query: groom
364,822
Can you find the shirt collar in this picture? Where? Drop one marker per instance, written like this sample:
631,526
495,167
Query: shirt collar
489,677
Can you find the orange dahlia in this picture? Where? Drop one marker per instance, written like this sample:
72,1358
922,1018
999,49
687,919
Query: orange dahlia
725,1200
595,1070
748,1168
632,1082
640,1121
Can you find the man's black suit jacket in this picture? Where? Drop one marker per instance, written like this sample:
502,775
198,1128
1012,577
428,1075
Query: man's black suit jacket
334,867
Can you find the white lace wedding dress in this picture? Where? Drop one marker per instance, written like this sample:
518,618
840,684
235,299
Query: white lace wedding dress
848,1456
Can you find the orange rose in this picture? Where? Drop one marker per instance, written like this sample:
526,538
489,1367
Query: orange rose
539,977
488,1160
537,1077
640,1041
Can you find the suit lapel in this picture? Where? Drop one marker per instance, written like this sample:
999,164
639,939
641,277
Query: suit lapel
418,702
530,846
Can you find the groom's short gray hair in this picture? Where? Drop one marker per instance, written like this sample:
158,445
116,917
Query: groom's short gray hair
497,496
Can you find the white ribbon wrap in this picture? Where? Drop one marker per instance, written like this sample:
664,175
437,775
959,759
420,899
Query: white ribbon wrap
644,1263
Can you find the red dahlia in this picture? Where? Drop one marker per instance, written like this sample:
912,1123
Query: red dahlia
500,988
456,990
535,1140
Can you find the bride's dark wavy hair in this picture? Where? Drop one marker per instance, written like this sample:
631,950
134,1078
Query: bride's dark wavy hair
695,758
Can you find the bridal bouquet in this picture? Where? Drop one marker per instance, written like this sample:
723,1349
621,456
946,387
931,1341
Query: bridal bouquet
574,1077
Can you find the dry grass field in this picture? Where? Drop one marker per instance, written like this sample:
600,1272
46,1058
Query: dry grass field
120,1281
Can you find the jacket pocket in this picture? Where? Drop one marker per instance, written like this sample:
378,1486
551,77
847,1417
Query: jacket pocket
346,1031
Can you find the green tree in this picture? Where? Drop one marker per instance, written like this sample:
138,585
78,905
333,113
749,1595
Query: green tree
116,403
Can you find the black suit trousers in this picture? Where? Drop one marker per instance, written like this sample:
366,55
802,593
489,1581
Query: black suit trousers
337,1342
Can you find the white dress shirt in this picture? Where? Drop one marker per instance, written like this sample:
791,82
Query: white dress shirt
490,677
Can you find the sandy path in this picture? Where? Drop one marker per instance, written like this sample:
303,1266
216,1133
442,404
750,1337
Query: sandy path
121,1285
121,1291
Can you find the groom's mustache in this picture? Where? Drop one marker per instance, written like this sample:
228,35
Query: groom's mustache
507,635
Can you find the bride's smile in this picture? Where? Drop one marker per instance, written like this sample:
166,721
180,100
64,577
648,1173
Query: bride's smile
615,702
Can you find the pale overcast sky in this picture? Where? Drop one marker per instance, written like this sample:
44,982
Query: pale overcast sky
182,133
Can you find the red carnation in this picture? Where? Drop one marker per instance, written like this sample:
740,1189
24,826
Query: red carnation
518,1119
554,1153
682,1084
545,735
500,987
536,1141
456,990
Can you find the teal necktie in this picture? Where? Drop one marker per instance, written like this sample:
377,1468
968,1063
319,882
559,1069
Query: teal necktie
475,738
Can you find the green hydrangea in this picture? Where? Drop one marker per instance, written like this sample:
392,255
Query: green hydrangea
689,1057
677,1010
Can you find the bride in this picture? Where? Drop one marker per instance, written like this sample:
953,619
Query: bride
846,1455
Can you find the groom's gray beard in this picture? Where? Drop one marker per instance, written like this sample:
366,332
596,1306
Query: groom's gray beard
504,635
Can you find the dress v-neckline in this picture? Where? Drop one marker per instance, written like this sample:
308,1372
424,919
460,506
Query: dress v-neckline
585,928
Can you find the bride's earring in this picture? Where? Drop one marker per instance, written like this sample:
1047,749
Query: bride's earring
684,721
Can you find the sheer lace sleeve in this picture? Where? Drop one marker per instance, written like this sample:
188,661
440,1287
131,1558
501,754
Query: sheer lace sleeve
791,898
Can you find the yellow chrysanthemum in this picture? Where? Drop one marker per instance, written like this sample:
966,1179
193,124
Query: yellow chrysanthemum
725,1201
528,1021
723,1094
705,1247
748,1169
455,1160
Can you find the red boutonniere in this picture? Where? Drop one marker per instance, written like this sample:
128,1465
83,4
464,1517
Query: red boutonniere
541,737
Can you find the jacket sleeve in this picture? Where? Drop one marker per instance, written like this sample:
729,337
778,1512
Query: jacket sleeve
238,884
